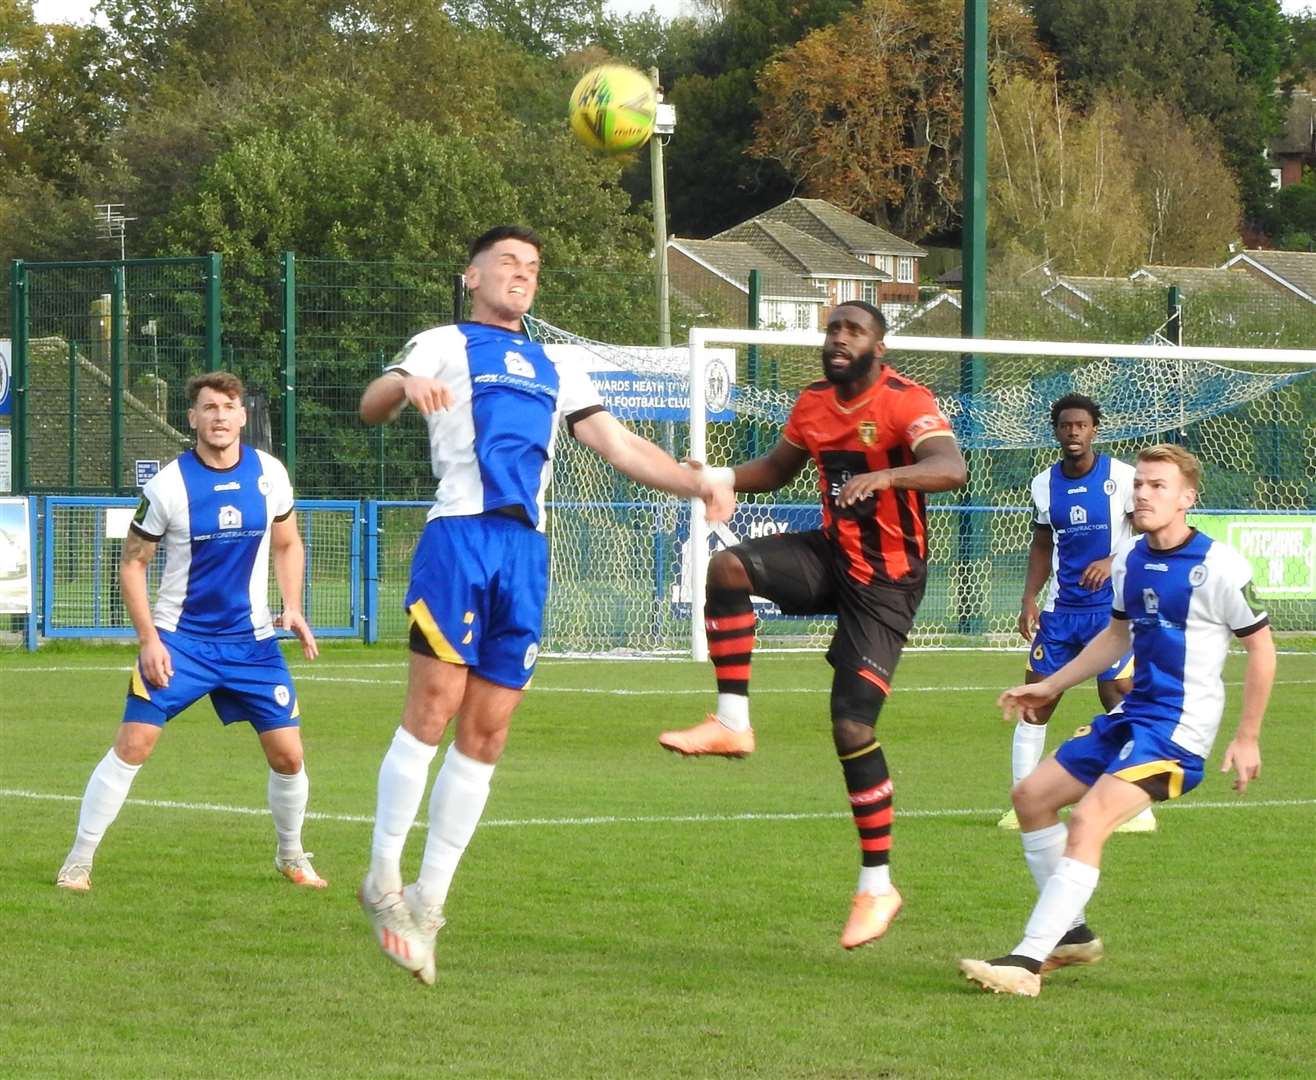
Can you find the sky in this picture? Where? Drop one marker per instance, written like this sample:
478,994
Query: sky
80,10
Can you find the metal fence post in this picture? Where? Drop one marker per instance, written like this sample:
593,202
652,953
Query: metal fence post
288,283
18,287
214,277
370,575
752,356
116,379
458,297
74,423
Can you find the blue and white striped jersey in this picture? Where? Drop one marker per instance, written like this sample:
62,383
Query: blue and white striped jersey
493,447
1184,604
1089,517
214,528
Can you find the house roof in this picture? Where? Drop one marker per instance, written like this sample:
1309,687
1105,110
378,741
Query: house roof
733,260
1294,270
834,226
1298,136
800,251
1198,279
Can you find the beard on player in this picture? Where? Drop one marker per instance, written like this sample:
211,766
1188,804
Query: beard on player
850,370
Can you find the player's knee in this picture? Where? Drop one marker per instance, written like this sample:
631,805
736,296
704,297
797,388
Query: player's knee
726,571
133,747
855,705
288,762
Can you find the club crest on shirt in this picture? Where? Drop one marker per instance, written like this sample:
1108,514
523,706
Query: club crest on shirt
516,364
1197,575
1126,750
263,485
281,695
867,432
1109,486
230,517
531,655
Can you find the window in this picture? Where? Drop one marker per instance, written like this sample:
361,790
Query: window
846,289
905,268
869,292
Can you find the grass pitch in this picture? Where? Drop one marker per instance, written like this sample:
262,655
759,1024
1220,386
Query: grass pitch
622,912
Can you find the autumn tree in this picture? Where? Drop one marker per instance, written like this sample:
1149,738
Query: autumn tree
868,113
1060,184
1188,194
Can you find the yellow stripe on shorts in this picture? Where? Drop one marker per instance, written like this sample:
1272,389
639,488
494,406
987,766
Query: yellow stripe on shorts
421,617
1134,773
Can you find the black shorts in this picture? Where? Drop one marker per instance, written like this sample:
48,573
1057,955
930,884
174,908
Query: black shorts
804,574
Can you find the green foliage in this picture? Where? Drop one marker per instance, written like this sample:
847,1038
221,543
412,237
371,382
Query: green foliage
1170,50
1292,215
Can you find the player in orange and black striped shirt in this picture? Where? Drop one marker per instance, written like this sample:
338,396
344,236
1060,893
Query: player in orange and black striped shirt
879,443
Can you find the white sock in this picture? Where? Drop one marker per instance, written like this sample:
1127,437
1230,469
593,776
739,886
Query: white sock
287,795
456,804
1026,750
101,802
1042,851
403,774
1064,896
733,711
875,880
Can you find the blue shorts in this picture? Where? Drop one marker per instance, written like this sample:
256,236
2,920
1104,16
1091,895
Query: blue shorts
1062,635
477,595
1139,751
246,680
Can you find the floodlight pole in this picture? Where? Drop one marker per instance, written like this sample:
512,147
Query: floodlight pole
660,227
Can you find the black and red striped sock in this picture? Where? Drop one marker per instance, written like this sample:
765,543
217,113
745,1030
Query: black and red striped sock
869,785
729,623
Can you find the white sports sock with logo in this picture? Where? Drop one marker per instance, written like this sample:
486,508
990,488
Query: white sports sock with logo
403,775
287,794
106,791
456,805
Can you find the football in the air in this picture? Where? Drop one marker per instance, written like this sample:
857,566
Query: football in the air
613,109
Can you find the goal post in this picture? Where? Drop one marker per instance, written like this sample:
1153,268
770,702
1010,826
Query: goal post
628,565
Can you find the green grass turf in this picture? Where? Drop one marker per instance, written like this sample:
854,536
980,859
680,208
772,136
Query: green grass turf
670,939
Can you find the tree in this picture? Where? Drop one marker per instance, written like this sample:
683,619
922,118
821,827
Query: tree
539,27
867,113
1170,50
1060,184
1188,195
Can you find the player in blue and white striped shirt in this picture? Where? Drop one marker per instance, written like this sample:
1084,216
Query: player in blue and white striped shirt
494,401
1082,513
1180,597
218,512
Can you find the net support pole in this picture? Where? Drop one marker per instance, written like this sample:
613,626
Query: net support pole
18,293
698,527
214,328
117,329
288,288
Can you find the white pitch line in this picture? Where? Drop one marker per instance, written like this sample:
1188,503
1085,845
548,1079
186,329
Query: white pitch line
640,819
301,675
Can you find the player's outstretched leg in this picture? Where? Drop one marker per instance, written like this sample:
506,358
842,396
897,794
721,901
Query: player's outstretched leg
107,789
729,623
287,793
1079,946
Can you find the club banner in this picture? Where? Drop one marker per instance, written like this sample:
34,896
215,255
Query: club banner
1281,548
15,557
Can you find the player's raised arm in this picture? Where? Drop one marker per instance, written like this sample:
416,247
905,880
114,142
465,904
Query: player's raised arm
646,463
938,466
1099,653
773,470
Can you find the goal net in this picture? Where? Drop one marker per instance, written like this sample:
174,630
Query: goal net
628,563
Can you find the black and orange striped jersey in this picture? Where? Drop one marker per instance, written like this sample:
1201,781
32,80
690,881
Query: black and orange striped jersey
884,538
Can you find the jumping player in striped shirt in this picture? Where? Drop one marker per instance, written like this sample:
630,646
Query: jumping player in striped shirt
879,442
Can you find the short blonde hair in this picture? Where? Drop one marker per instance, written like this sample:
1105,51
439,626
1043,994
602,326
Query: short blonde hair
1188,464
